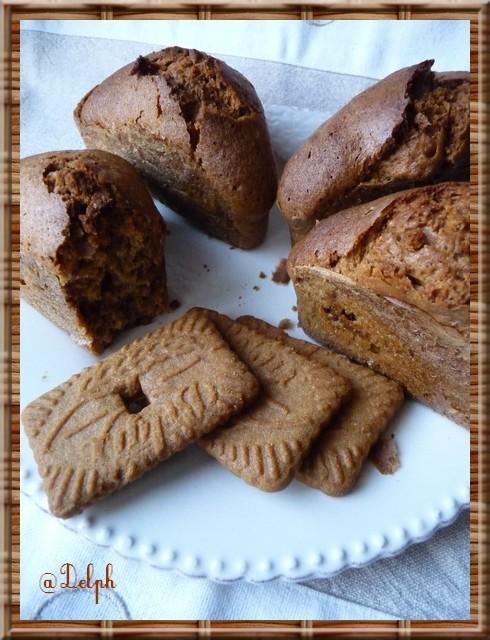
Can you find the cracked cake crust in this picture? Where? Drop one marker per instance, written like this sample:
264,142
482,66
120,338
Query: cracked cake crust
196,130
388,284
409,129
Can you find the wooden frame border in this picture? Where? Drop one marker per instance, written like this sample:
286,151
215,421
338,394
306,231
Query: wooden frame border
478,14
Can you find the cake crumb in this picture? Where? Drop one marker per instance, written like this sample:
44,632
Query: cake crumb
205,266
294,308
384,454
262,275
175,304
280,275
285,324
256,288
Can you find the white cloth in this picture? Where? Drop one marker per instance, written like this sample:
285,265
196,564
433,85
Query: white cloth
371,48
429,580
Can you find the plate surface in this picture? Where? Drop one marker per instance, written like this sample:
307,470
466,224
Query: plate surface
191,514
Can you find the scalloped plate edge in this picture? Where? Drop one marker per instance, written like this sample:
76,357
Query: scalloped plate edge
293,568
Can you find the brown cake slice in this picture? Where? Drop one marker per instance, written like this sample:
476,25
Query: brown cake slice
266,443
195,128
387,283
92,244
412,128
337,457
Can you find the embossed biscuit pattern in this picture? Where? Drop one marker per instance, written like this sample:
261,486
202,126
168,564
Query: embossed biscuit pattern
266,443
86,440
337,457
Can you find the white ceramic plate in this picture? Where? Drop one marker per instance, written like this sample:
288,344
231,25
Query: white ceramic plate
191,514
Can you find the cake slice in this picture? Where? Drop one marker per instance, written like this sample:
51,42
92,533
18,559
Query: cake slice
409,129
92,245
388,284
195,129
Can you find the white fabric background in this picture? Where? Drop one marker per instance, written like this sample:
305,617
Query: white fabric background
430,580
371,48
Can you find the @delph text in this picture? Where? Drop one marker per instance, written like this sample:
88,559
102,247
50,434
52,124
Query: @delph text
68,579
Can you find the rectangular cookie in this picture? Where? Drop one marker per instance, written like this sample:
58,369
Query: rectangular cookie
336,458
266,443
115,420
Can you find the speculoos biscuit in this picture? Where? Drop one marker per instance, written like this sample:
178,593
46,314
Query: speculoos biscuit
119,418
338,455
266,443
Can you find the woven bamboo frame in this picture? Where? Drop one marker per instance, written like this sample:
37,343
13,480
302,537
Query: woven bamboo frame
13,12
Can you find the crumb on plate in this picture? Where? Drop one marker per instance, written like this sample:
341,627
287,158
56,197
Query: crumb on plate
175,304
285,324
280,275
384,454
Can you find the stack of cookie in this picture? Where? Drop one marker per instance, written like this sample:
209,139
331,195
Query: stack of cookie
265,405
